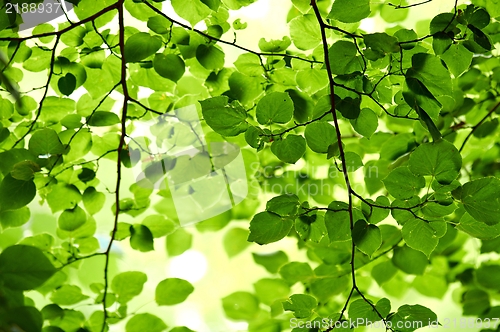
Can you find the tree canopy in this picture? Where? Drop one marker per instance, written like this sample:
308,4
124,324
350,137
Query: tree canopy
124,129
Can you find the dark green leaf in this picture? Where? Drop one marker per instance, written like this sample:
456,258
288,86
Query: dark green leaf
210,57
67,84
366,237
141,238
140,46
14,194
103,119
170,66
24,267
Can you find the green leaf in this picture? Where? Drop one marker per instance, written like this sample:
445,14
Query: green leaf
68,295
24,318
128,285
383,272
15,218
24,267
240,306
140,46
181,329
93,200
145,322
366,123
421,236
441,22
159,24
45,141
374,214
276,107
312,80
172,291
390,14
25,170
381,43
14,194
178,242
441,42
481,199
478,229
141,238
409,260
67,84
366,237
343,59
283,205
419,98
269,290
488,275
225,119
103,119
429,70
301,305
402,183
492,6
191,10
337,222
235,241
73,219
350,11
320,136
170,66
267,227
238,25
440,159
294,272
210,57
159,225
272,261
275,45
290,149
305,32
411,317
249,64
476,302
360,310
431,285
